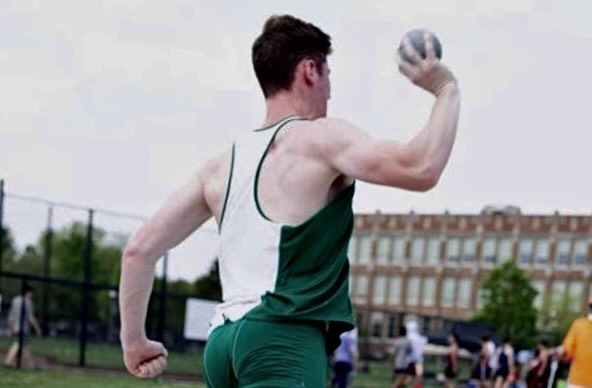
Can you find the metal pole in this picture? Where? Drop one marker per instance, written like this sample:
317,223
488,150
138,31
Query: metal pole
46,270
86,289
1,230
163,295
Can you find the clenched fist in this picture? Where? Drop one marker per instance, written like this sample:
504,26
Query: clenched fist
146,359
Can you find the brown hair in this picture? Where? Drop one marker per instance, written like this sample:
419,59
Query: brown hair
283,43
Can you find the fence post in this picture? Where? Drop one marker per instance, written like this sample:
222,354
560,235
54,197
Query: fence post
87,255
162,301
1,231
46,270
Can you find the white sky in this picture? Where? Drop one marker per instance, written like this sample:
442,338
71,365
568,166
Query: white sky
114,104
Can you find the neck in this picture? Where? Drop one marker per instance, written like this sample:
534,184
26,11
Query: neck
590,316
286,104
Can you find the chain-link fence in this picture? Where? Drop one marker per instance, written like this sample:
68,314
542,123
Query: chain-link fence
69,256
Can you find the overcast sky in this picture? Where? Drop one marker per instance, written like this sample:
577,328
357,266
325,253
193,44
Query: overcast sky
114,104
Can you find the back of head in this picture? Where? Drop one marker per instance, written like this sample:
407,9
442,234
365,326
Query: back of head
283,43
27,289
402,331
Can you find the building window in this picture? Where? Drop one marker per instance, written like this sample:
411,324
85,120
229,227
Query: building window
429,292
433,254
489,255
526,248
562,252
505,250
539,286
469,250
361,289
453,250
580,258
559,291
413,291
365,250
542,252
394,298
465,291
383,250
379,293
376,324
393,326
351,249
399,250
417,250
576,291
481,298
448,291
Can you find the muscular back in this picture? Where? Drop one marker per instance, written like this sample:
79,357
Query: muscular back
295,181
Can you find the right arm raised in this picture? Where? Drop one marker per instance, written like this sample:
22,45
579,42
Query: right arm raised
416,165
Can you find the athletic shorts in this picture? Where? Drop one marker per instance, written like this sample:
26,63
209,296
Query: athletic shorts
251,353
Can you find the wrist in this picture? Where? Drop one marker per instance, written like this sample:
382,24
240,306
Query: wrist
131,340
448,88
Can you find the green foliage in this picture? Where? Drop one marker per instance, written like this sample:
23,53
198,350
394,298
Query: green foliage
67,261
208,286
556,316
8,246
508,305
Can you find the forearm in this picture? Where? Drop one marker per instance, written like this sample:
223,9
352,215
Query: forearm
433,144
137,274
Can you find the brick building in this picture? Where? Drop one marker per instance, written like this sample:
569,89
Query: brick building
431,265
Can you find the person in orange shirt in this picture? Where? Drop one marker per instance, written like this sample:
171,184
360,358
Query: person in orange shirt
577,346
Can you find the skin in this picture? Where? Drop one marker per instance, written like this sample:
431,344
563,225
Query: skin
308,164
453,350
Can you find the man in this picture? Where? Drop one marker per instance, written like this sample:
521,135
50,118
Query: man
282,199
21,316
345,359
504,372
418,343
403,368
577,346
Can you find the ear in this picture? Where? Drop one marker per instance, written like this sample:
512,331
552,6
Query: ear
309,71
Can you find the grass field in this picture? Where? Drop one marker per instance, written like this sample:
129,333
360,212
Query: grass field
65,352
68,379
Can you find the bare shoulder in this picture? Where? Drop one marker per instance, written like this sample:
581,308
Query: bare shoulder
216,166
328,134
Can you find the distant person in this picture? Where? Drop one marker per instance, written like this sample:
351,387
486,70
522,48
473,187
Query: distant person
16,321
537,375
482,370
451,368
418,343
577,347
345,359
505,371
403,368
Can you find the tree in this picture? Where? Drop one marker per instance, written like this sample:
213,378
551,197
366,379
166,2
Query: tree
67,262
556,316
7,247
208,286
508,305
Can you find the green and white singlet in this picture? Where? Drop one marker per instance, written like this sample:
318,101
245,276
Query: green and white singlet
277,273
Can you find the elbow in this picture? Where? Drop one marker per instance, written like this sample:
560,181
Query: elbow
428,177
133,251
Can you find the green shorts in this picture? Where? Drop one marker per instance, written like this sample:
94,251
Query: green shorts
253,353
